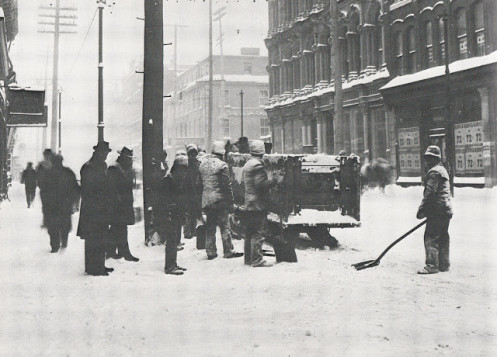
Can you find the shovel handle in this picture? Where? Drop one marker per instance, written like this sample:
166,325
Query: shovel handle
400,238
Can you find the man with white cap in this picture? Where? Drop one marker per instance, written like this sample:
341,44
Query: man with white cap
436,207
257,186
217,201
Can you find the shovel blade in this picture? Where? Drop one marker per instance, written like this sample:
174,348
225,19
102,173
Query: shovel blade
366,264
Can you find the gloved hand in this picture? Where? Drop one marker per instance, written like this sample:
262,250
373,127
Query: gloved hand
420,214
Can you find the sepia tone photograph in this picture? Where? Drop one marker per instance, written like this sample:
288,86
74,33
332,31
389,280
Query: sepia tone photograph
248,178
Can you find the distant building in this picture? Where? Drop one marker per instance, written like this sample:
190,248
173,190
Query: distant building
392,57
186,112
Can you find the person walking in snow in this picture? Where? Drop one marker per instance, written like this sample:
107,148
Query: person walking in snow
28,178
257,186
217,201
193,193
41,172
437,208
93,218
120,181
62,194
173,213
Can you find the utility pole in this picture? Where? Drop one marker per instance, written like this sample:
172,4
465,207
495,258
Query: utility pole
209,118
241,113
153,103
60,123
449,125
55,14
337,76
219,14
100,125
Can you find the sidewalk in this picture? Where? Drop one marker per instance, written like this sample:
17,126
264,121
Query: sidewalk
317,307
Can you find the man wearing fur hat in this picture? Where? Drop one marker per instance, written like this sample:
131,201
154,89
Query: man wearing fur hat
437,208
93,218
217,201
120,177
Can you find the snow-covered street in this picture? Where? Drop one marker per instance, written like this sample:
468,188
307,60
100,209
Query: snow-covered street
320,306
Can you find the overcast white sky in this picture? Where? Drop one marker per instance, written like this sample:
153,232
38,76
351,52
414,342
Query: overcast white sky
245,25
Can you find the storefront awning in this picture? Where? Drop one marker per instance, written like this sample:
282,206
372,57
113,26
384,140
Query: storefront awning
439,71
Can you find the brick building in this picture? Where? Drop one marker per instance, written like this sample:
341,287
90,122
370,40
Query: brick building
391,57
186,112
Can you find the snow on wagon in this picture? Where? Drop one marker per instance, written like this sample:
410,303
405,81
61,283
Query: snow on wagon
319,192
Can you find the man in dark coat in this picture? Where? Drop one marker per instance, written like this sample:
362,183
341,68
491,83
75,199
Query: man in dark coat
28,178
172,213
257,186
41,172
192,188
437,208
62,194
217,201
93,218
120,178
159,170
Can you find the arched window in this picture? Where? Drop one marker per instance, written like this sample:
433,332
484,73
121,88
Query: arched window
411,50
441,39
429,60
354,44
399,52
479,29
461,33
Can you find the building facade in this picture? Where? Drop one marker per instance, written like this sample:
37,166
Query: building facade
186,111
387,50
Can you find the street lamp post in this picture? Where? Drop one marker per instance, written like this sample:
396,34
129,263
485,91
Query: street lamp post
241,113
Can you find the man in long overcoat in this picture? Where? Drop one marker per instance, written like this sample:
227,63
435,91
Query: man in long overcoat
257,187
93,218
28,178
62,194
437,208
193,193
217,201
120,177
41,172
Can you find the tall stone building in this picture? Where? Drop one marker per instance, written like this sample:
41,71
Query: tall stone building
392,64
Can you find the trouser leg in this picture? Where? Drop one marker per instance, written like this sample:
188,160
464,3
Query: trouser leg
444,242
431,240
224,226
121,231
111,241
256,238
173,229
28,198
210,231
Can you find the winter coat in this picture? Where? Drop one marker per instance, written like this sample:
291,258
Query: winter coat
120,180
62,191
41,174
172,203
436,196
94,197
28,178
256,185
192,186
217,192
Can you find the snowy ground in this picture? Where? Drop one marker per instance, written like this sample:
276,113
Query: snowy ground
320,306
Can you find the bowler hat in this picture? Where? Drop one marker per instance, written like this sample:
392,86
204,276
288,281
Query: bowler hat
126,152
433,150
102,146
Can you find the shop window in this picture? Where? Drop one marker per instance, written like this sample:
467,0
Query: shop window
226,98
411,49
479,28
263,97
461,33
398,53
265,130
429,59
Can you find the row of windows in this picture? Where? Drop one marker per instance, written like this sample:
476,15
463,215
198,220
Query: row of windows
433,46
203,71
224,124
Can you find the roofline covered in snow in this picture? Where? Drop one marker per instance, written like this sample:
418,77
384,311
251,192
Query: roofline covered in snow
439,71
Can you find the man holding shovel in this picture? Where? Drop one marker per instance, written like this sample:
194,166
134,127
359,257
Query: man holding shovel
437,208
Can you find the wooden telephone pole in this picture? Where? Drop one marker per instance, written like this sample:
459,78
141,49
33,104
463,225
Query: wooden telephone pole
54,14
153,87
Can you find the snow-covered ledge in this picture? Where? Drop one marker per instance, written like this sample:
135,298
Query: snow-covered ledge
409,180
399,4
469,180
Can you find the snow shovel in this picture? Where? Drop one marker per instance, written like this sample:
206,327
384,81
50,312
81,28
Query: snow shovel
372,263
